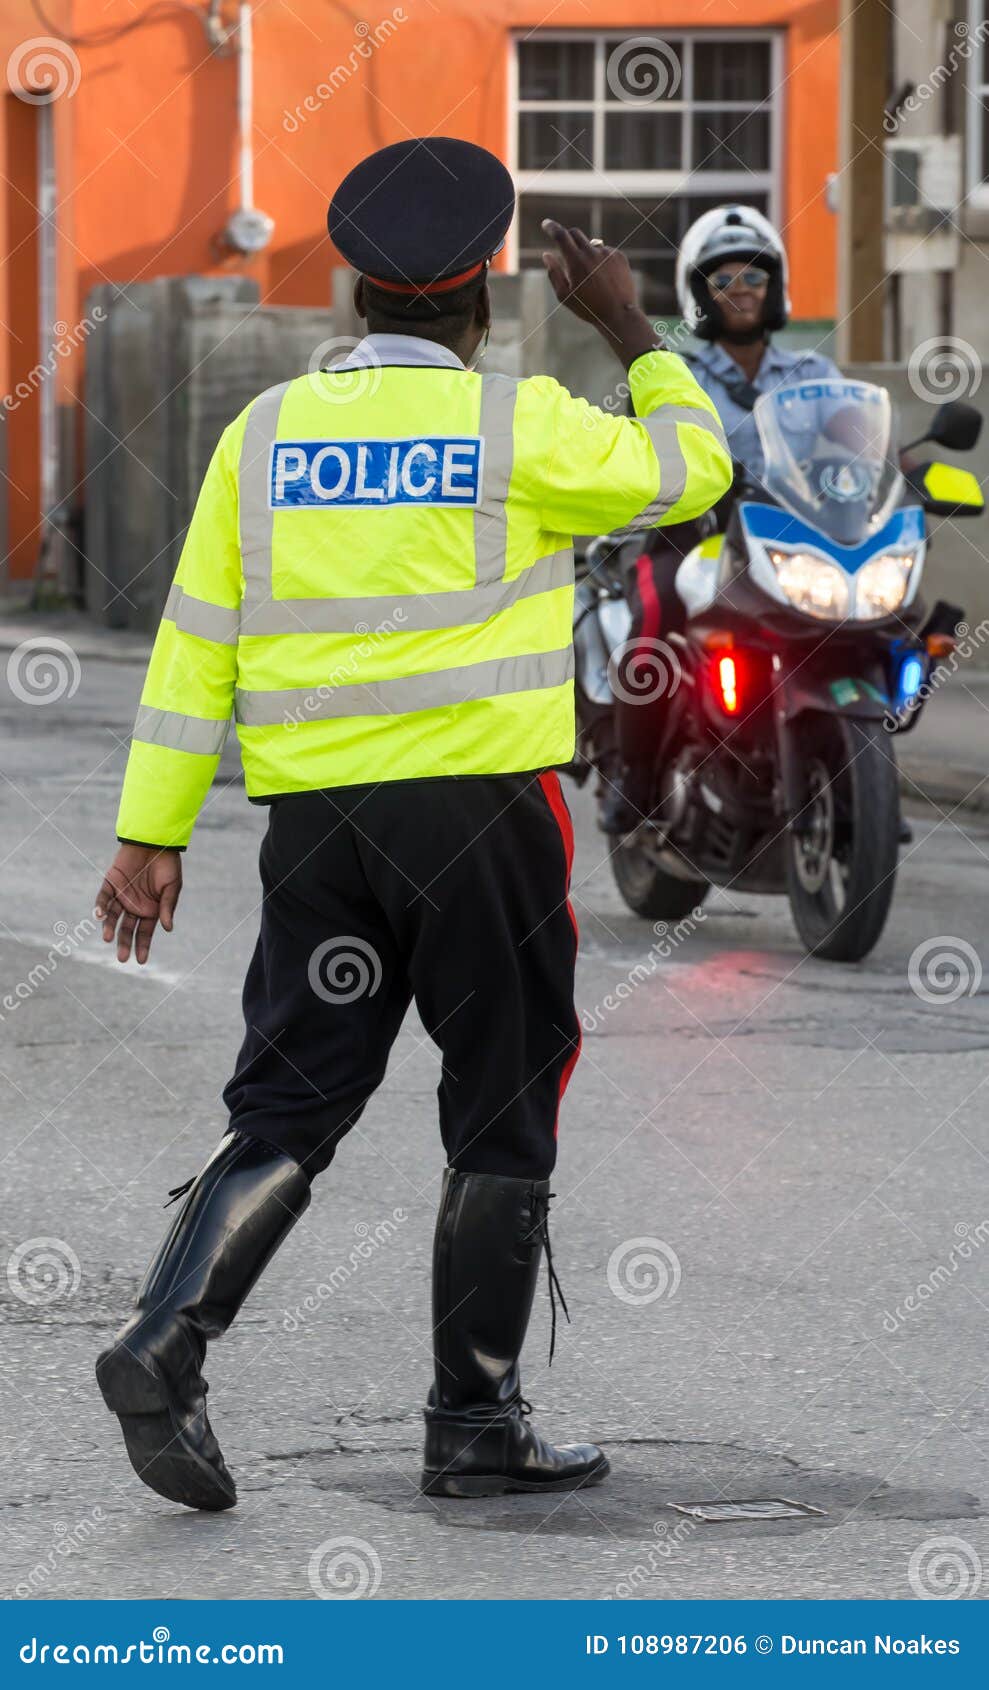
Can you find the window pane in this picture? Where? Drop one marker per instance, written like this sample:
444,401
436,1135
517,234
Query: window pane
643,140
642,69
571,211
640,225
731,140
647,232
556,70
556,140
731,70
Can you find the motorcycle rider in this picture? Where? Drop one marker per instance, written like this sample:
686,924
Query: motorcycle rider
732,292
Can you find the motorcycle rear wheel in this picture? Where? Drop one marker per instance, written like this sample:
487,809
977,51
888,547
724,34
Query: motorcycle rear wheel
841,864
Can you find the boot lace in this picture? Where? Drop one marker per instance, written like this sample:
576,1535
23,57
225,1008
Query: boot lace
555,1288
180,1191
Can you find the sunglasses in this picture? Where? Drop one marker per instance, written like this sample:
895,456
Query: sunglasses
722,280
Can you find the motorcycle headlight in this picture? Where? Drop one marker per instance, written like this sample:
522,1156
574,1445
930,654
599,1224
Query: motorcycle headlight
882,585
811,585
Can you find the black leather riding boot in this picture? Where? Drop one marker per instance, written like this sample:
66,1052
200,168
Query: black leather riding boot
240,1208
489,1236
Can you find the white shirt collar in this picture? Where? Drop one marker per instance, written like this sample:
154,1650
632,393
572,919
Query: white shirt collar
384,349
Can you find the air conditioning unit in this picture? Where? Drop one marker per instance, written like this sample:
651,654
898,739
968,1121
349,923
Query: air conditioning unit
924,183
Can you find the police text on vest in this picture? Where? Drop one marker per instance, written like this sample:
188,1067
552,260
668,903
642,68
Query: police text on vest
308,474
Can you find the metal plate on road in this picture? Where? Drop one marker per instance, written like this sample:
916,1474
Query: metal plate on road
765,1508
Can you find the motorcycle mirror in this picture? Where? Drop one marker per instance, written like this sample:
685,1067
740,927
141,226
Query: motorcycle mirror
956,425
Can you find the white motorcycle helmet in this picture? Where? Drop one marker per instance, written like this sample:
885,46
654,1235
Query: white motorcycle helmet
729,231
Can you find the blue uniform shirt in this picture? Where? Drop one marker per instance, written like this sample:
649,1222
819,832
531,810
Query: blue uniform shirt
717,372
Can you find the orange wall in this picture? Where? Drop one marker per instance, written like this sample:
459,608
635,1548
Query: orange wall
146,146
156,130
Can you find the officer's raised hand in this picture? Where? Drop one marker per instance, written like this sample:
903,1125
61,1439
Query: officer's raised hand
141,887
595,282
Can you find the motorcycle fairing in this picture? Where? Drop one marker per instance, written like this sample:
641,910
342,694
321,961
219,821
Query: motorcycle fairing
698,575
861,691
603,627
767,523
764,526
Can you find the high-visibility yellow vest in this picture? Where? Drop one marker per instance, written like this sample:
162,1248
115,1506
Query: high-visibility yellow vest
377,582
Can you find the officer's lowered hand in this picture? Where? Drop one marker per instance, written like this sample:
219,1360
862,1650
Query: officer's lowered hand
595,282
140,888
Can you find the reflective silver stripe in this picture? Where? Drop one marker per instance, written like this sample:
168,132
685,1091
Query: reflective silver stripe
697,414
407,693
256,519
496,427
197,616
411,613
661,427
180,733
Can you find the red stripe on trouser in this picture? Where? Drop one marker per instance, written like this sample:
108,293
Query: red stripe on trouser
549,780
652,614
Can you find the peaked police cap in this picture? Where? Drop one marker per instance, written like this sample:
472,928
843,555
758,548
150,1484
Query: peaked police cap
422,216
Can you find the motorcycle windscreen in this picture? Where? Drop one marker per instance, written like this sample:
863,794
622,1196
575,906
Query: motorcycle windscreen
827,455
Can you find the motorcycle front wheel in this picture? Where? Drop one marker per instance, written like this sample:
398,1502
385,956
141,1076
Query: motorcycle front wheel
841,857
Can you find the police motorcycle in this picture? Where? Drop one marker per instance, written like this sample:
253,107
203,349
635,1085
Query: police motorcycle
805,653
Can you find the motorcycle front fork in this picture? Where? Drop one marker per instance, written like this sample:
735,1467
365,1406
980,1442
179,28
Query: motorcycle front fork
793,784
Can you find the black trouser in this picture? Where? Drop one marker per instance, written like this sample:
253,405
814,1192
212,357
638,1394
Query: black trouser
450,891
649,578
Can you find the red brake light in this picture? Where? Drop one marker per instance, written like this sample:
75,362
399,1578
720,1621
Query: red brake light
726,678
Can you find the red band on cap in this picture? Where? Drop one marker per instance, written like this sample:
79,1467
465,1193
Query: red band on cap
444,286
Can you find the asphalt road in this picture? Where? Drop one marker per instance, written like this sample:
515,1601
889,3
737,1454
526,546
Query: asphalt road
772,1227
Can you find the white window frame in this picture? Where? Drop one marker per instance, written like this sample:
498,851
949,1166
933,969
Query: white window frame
976,91
638,184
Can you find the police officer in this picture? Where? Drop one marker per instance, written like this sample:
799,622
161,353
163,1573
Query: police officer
732,291
378,584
